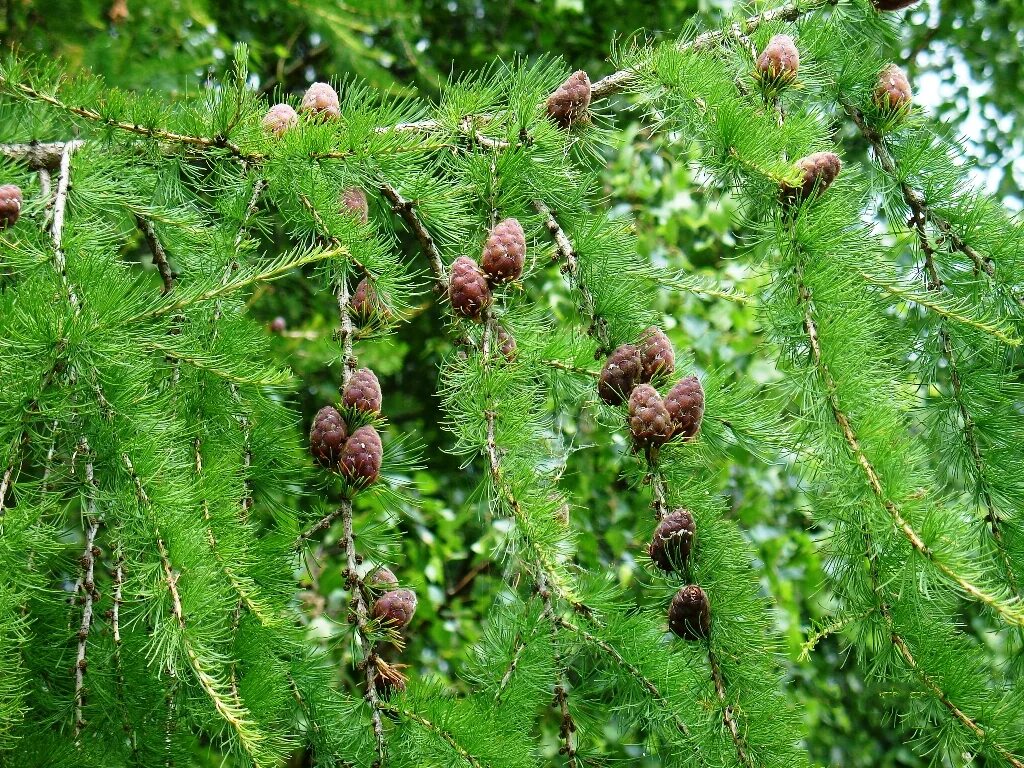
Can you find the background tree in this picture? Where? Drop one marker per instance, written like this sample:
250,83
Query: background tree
166,432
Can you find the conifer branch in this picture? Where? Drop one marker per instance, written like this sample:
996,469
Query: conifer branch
939,307
57,224
88,581
159,254
435,729
1008,612
728,716
363,636
571,267
407,210
915,199
621,80
969,429
680,281
358,604
962,717
232,712
41,156
25,91
8,476
638,676
277,269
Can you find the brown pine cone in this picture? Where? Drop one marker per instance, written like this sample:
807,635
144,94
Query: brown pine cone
507,344
381,578
621,373
504,252
327,437
361,457
689,615
892,93
10,205
395,608
657,357
467,288
892,5
779,61
649,421
363,392
685,405
353,200
818,172
280,118
320,101
569,103
673,540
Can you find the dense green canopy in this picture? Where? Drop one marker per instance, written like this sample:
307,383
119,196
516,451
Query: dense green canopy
770,462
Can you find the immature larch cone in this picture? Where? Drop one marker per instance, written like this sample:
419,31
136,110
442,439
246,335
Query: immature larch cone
818,171
649,420
10,205
685,405
504,252
396,608
673,540
892,93
327,437
364,300
570,101
321,102
382,578
507,344
361,457
892,5
621,373
779,61
363,392
353,200
280,118
689,615
467,288
657,357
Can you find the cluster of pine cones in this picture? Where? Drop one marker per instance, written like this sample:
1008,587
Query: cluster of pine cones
628,373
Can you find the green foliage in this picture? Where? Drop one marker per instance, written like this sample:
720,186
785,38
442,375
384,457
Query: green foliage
179,587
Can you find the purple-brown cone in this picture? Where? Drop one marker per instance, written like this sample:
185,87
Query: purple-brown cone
673,540
504,252
327,437
621,373
569,103
363,392
467,288
361,457
689,615
649,420
685,405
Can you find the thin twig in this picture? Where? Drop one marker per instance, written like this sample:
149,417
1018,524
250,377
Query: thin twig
728,715
218,142
915,199
159,254
992,517
407,210
571,267
57,224
88,581
874,482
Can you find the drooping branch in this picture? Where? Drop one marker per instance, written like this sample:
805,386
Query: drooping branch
225,702
88,582
434,728
915,199
1009,613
